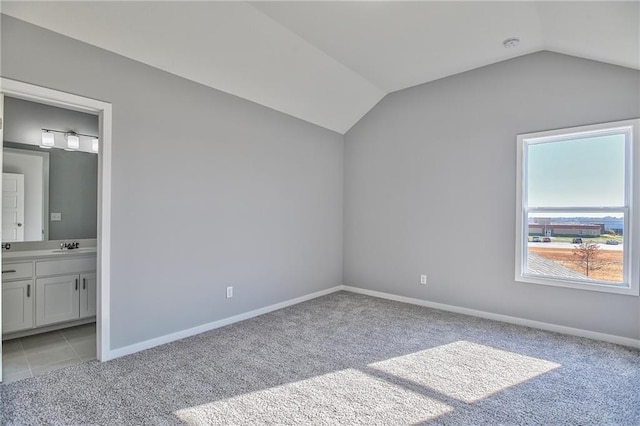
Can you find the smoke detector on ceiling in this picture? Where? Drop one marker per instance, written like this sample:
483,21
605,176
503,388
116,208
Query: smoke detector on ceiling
511,42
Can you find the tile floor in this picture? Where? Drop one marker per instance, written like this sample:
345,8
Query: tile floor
34,355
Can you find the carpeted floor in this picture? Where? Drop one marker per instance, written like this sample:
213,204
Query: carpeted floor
346,359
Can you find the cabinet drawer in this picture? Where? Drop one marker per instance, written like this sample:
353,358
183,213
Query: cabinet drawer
12,271
66,266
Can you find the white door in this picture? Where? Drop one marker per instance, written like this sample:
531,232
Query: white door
12,207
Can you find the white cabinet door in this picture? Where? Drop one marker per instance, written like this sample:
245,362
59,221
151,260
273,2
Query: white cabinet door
57,299
17,305
88,295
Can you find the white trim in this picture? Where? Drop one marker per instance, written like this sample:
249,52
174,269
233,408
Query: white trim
168,338
631,208
625,341
1,147
60,99
103,313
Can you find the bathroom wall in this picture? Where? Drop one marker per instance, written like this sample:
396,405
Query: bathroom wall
73,176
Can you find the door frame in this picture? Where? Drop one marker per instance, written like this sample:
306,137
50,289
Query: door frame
102,109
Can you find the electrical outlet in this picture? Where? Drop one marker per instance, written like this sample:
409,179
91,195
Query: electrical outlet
423,279
56,217
229,292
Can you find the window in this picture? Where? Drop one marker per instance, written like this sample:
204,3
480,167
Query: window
577,217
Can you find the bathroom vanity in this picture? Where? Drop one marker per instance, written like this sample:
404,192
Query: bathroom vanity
44,290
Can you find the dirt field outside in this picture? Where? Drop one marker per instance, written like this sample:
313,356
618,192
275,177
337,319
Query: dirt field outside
609,263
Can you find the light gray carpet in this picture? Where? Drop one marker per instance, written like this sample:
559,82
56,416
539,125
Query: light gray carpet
346,359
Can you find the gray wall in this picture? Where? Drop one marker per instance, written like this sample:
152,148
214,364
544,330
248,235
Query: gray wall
73,184
208,190
430,178
73,176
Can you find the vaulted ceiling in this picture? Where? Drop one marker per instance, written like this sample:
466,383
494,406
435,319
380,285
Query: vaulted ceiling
329,63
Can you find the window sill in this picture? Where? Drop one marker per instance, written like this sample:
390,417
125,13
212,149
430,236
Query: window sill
596,286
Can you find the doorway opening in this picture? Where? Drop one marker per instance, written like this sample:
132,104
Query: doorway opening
84,267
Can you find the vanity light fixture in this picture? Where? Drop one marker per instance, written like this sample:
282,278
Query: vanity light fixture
73,141
90,143
48,139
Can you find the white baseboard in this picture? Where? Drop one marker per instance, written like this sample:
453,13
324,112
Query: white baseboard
625,341
168,338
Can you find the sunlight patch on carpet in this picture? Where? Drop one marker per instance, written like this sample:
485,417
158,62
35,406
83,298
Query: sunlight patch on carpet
342,396
465,371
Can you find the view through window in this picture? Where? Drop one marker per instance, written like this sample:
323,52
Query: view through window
576,206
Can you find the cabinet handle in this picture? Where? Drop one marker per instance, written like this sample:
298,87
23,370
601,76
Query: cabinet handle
9,271
28,290
76,284
84,283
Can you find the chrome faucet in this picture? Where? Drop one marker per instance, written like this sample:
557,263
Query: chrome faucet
69,245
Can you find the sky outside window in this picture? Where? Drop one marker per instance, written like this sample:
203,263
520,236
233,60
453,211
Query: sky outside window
586,172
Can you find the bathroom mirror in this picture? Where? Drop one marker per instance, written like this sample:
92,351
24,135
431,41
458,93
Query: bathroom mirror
48,194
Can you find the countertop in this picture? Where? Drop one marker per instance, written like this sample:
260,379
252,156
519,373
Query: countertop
47,253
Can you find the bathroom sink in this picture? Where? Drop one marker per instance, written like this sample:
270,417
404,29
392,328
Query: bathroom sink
78,250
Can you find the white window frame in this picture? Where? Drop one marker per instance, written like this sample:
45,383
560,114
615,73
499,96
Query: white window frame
631,208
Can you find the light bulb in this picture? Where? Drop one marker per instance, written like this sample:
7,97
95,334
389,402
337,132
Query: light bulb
48,139
73,141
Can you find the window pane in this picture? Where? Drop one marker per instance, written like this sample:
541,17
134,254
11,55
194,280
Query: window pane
576,246
587,172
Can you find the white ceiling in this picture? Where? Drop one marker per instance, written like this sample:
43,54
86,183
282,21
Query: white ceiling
329,63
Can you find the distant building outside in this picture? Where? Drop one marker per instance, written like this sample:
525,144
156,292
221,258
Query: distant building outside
543,227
